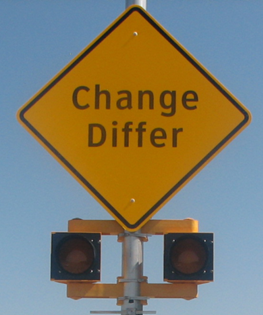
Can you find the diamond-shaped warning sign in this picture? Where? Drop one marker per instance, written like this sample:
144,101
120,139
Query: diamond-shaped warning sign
134,117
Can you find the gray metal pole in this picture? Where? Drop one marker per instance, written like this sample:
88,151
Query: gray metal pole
132,273
142,3
132,252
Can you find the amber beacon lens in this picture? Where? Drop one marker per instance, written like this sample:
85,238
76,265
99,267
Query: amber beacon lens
76,255
188,256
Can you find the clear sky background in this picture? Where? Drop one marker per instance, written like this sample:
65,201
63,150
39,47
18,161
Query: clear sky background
37,195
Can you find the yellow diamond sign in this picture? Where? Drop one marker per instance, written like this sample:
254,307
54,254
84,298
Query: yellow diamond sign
134,117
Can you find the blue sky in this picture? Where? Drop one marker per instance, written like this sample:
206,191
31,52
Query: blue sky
39,38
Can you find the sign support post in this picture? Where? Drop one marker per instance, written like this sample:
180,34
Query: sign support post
132,253
132,273
142,3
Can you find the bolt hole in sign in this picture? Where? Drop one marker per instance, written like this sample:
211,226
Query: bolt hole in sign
134,117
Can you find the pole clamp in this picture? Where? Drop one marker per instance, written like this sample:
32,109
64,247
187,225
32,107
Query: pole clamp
124,280
142,236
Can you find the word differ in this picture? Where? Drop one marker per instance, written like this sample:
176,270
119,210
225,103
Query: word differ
157,135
